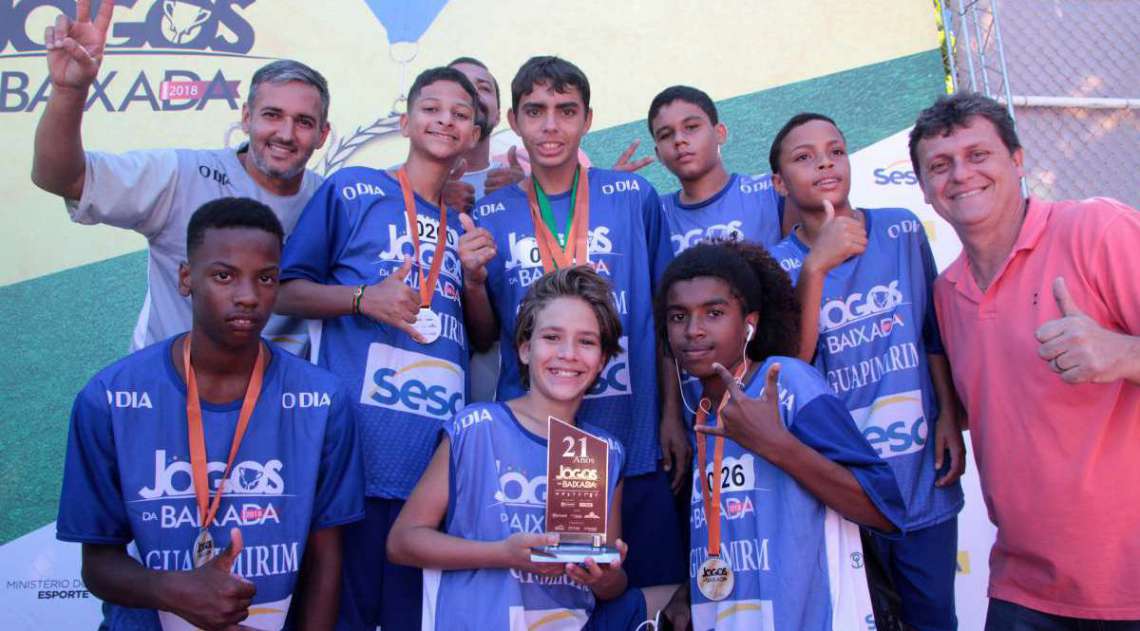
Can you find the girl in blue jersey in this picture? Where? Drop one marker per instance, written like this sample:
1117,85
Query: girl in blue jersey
479,509
781,462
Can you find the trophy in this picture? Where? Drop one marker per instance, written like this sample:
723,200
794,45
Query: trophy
577,496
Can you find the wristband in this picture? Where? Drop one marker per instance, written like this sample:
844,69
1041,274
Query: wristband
356,296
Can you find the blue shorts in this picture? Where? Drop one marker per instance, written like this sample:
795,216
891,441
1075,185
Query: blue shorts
922,565
652,526
1006,616
373,591
623,613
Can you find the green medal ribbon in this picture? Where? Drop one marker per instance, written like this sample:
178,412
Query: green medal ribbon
548,214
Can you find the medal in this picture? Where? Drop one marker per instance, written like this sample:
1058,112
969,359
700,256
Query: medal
203,548
427,321
558,253
715,579
428,325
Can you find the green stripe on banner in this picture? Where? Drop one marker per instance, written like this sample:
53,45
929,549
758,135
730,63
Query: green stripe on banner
869,103
58,330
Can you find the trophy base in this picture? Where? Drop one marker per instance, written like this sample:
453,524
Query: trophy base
574,553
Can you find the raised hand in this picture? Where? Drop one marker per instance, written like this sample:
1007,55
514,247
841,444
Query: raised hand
839,238
754,424
505,176
598,576
212,596
516,551
392,302
476,249
623,162
1077,347
75,47
457,193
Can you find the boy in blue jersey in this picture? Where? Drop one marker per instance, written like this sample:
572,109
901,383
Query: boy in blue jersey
159,453
865,281
487,483
374,256
711,203
561,216
779,458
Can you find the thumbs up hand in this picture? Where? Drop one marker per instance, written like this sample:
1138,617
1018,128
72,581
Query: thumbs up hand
502,177
476,249
839,239
393,302
212,596
1078,348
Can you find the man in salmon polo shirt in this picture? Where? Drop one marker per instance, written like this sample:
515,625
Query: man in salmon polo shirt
1040,316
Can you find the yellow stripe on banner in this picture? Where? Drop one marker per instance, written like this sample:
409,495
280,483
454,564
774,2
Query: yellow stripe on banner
738,608
547,619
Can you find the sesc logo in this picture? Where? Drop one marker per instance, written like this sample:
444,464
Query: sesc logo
614,379
879,299
412,382
894,424
897,173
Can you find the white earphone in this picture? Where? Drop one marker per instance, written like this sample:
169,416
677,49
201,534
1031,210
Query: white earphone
748,335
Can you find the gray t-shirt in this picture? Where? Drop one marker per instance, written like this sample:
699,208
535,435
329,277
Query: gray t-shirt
154,192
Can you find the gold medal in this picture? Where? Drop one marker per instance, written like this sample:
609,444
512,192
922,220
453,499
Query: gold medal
203,548
715,579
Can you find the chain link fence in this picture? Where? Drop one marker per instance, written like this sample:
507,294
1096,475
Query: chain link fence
1071,70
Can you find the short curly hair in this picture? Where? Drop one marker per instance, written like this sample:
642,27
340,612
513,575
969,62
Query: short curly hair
754,278
571,282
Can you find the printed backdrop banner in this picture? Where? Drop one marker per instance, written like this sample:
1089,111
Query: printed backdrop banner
177,72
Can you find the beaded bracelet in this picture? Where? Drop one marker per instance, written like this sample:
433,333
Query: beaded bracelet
356,296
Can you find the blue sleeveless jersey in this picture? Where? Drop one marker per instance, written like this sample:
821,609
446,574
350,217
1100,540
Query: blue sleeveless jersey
127,474
747,208
354,231
629,246
772,529
877,326
497,488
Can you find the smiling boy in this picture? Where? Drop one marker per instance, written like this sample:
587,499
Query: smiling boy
565,215
374,256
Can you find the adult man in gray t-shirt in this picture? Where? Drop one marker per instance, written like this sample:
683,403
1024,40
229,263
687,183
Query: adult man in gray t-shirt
154,192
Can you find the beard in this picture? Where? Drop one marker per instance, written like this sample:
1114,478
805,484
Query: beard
262,165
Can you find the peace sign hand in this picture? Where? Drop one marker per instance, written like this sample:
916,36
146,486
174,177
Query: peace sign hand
75,47
754,424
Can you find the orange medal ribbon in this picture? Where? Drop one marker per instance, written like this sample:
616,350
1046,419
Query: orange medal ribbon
710,481
553,255
427,286
198,464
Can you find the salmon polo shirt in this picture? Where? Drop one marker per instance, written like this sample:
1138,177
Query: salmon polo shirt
1059,463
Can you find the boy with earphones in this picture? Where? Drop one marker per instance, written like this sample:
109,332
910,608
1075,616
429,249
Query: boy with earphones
779,459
